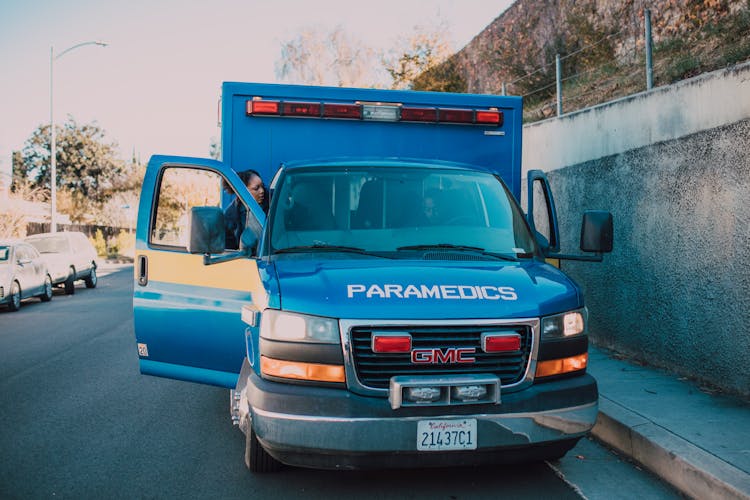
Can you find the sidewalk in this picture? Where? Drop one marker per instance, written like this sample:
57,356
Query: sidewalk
698,442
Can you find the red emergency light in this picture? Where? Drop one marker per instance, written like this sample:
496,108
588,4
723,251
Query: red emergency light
391,342
501,342
456,115
419,114
262,107
490,117
301,109
375,112
342,110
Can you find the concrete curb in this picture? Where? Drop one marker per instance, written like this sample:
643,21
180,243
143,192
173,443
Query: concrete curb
690,469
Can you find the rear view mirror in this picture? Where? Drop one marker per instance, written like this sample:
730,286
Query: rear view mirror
597,231
207,230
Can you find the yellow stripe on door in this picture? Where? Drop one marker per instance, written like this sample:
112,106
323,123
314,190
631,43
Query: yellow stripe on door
188,269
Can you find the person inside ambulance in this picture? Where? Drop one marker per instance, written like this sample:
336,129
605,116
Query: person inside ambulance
256,187
430,210
305,208
235,215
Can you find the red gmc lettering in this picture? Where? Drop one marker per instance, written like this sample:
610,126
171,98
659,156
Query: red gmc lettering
444,356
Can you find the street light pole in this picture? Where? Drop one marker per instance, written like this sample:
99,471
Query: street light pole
53,145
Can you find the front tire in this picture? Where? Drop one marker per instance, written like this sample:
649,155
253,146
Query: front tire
15,297
257,458
70,283
91,279
46,295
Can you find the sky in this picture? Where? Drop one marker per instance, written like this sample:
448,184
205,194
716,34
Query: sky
155,88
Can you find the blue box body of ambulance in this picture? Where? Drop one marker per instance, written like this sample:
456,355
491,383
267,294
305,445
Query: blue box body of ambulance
395,306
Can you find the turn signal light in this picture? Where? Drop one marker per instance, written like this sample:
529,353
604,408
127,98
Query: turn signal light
561,366
301,371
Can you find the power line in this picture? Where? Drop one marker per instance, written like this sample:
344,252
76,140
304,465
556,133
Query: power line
536,91
594,69
562,58
602,83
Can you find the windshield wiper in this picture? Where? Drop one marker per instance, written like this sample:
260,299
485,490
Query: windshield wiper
441,246
318,247
450,246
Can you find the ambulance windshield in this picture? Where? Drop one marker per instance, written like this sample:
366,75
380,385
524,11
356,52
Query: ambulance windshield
390,209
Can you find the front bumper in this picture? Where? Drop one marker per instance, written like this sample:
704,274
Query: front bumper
334,428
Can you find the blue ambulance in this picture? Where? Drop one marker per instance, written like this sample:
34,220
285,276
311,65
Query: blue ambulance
394,307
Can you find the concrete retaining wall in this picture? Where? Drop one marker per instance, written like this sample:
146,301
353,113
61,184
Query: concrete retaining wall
675,292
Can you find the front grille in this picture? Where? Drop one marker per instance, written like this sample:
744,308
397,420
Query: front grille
375,370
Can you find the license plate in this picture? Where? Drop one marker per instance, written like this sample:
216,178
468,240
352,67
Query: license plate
441,435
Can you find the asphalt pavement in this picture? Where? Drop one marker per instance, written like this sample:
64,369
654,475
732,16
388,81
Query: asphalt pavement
695,440
79,422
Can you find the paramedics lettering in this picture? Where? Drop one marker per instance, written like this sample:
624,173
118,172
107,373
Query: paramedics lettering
460,292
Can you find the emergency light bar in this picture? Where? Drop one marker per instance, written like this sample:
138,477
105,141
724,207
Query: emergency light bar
374,112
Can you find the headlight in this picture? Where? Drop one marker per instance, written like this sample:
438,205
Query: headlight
292,327
565,324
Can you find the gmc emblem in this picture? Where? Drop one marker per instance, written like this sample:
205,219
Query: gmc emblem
443,356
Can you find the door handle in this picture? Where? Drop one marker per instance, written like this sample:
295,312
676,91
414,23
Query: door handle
142,270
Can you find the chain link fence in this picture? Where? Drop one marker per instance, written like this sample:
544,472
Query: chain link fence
617,64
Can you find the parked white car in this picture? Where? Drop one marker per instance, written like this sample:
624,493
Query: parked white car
23,274
69,255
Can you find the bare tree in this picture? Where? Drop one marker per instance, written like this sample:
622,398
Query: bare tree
14,210
335,58
424,49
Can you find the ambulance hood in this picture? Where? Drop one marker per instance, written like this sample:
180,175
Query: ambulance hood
409,289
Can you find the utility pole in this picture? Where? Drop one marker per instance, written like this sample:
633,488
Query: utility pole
558,71
649,62
53,138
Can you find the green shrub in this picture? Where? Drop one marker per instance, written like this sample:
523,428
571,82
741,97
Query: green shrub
99,243
125,241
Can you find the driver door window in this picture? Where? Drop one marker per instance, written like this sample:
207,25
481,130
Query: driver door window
180,190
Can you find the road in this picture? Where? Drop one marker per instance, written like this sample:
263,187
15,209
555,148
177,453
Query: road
78,421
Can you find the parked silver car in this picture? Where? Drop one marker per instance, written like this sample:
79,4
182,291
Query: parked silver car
23,274
69,255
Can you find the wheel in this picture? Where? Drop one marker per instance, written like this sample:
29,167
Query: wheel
15,297
70,283
46,295
257,459
91,279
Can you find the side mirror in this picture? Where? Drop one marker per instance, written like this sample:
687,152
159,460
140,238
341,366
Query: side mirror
207,230
597,231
